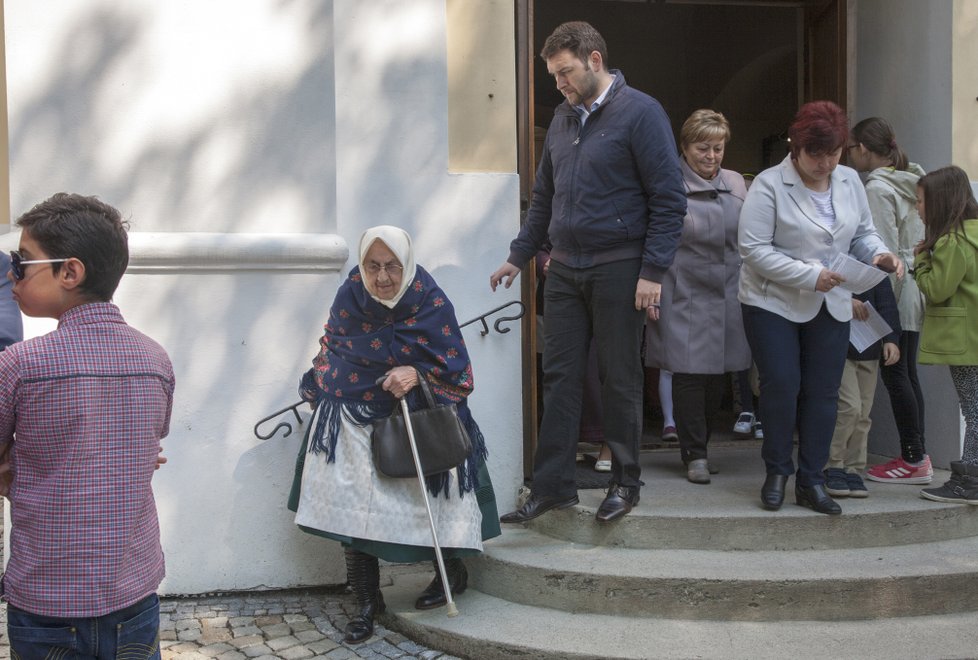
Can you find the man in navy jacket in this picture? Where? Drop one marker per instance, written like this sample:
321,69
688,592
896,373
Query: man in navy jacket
609,198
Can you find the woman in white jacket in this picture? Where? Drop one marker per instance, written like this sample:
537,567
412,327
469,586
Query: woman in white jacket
891,188
798,216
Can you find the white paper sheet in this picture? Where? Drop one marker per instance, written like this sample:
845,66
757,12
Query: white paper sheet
859,276
863,334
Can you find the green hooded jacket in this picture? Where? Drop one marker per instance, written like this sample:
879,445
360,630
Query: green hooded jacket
948,278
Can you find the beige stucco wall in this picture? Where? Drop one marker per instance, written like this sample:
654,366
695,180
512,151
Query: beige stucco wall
481,86
964,101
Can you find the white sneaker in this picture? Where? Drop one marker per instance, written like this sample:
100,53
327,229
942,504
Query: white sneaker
744,424
758,431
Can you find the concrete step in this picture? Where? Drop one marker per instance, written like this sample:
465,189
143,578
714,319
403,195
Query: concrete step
525,567
490,628
727,515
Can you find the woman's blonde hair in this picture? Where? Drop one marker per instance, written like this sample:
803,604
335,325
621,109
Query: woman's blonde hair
704,125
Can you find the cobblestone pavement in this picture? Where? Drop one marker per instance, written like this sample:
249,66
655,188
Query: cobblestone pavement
291,625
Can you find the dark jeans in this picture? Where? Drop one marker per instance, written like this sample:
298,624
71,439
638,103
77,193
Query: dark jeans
132,633
582,304
800,366
695,397
906,398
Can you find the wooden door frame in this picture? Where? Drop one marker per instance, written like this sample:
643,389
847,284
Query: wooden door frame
526,167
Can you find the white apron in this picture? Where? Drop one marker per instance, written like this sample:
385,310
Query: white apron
348,497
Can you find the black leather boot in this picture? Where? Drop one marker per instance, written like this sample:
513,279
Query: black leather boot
961,488
363,574
434,595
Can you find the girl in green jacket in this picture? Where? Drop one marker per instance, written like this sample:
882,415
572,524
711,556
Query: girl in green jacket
946,271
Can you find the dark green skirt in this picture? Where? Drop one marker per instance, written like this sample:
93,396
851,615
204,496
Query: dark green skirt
399,552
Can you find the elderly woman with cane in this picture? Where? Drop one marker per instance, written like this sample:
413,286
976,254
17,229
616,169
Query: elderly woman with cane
390,324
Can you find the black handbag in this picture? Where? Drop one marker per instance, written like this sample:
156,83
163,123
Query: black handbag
439,434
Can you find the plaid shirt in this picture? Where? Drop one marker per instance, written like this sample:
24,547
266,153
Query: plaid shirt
83,410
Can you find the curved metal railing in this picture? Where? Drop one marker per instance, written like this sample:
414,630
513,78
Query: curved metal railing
287,426
504,319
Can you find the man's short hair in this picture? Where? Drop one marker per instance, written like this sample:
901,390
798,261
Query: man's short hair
578,37
68,225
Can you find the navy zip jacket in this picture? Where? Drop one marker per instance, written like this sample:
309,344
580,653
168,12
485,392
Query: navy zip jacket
607,191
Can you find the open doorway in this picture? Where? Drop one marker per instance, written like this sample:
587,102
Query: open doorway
754,60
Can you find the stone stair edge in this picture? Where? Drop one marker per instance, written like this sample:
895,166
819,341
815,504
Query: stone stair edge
489,628
530,549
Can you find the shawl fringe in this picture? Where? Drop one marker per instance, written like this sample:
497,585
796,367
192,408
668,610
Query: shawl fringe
328,416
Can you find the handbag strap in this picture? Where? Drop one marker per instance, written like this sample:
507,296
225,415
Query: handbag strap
426,388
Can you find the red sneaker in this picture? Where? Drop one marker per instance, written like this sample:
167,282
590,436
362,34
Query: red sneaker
900,472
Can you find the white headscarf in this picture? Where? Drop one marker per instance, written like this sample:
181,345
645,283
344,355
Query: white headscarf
397,241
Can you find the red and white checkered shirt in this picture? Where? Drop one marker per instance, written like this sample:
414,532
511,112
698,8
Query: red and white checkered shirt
85,407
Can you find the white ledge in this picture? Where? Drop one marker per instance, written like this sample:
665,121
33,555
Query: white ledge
217,252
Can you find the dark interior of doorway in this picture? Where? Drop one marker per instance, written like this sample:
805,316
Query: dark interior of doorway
739,58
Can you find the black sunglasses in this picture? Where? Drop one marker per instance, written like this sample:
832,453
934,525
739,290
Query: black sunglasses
17,264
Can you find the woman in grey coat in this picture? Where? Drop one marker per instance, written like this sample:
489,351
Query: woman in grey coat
698,333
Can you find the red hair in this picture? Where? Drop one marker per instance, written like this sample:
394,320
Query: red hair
819,127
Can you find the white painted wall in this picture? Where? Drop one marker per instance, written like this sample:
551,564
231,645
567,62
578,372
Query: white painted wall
304,116
392,168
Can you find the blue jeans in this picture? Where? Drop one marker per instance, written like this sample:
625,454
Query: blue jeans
581,304
800,365
132,633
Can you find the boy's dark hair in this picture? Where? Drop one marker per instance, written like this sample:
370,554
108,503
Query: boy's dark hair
579,38
68,225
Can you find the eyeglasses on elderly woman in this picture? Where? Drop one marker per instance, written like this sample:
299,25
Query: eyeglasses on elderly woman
393,269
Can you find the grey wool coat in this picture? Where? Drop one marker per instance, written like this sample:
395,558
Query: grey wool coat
700,329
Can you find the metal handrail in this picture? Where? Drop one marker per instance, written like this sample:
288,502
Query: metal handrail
287,425
281,425
499,321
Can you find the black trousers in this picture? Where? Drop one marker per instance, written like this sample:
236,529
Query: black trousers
695,397
581,304
906,398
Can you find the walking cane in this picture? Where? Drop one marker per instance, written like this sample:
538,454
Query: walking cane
449,603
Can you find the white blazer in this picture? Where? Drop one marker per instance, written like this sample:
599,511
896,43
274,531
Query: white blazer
785,245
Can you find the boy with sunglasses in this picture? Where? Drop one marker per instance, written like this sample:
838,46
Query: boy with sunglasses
82,412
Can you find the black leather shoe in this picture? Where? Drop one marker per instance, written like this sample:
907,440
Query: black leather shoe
538,505
772,492
618,502
816,499
434,595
